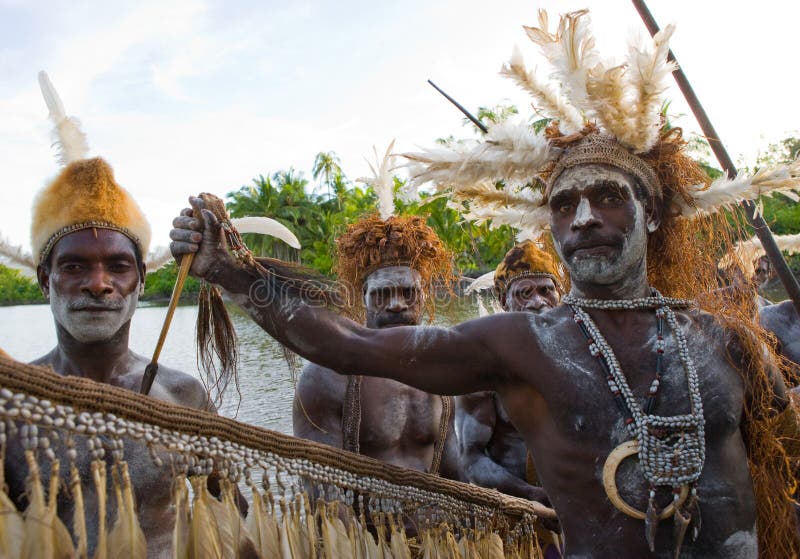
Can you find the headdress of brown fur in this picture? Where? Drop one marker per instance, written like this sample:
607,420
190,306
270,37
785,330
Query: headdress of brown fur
374,243
85,195
526,259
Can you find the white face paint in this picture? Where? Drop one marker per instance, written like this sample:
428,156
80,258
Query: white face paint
393,296
594,237
89,319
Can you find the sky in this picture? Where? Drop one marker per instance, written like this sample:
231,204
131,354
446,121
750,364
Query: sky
188,96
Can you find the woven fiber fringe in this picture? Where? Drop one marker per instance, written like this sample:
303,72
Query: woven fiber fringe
309,501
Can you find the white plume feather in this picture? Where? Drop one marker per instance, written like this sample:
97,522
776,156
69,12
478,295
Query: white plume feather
382,181
486,281
549,101
157,259
751,249
482,310
725,192
266,226
648,74
607,94
68,136
570,50
511,152
16,255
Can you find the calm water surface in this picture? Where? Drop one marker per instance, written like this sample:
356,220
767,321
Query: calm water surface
265,381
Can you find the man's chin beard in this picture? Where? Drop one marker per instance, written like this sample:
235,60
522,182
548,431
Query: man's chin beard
600,270
95,331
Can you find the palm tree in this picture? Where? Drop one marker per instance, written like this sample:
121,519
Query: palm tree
281,196
328,166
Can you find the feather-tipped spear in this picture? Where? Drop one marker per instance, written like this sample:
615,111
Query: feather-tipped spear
756,219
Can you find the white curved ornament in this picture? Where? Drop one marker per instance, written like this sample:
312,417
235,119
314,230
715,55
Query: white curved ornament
266,226
617,456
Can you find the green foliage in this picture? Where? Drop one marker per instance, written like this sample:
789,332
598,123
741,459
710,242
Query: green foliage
16,288
159,284
319,219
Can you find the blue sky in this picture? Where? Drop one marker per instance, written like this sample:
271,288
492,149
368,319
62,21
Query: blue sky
183,96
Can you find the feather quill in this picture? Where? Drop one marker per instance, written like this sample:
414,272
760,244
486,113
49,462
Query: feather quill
570,50
550,102
180,532
12,528
79,513
511,152
607,93
68,136
725,192
382,181
290,548
648,72
100,486
45,535
263,528
16,255
208,538
125,539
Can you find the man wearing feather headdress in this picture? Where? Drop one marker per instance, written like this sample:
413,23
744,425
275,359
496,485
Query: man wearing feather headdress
622,368
391,265
90,241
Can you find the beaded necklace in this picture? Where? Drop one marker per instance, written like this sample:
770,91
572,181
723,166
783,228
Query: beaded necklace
671,448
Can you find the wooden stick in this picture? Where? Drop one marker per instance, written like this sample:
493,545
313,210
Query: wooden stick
754,217
461,108
151,370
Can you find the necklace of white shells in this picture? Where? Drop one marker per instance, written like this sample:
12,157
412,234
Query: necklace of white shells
671,449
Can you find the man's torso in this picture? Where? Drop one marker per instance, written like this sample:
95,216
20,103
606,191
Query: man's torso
571,424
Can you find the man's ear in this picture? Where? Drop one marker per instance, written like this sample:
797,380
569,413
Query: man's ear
43,278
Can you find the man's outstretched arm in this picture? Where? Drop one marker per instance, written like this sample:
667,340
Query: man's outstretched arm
437,360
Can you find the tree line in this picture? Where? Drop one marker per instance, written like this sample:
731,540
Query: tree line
318,213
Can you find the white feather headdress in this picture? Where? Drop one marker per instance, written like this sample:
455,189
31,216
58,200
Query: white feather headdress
497,178
382,181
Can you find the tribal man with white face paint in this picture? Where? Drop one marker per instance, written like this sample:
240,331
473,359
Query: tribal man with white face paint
549,381
392,276
89,240
618,370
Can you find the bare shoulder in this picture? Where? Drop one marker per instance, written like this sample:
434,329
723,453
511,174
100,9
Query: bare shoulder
180,388
320,382
776,316
45,360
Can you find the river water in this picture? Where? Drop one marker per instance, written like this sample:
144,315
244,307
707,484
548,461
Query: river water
265,380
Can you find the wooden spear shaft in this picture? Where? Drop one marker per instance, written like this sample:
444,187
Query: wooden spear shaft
754,217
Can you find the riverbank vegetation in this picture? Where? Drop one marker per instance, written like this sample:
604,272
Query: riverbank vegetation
319,212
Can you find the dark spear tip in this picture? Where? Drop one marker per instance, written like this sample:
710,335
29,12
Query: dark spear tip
149,376
473,119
